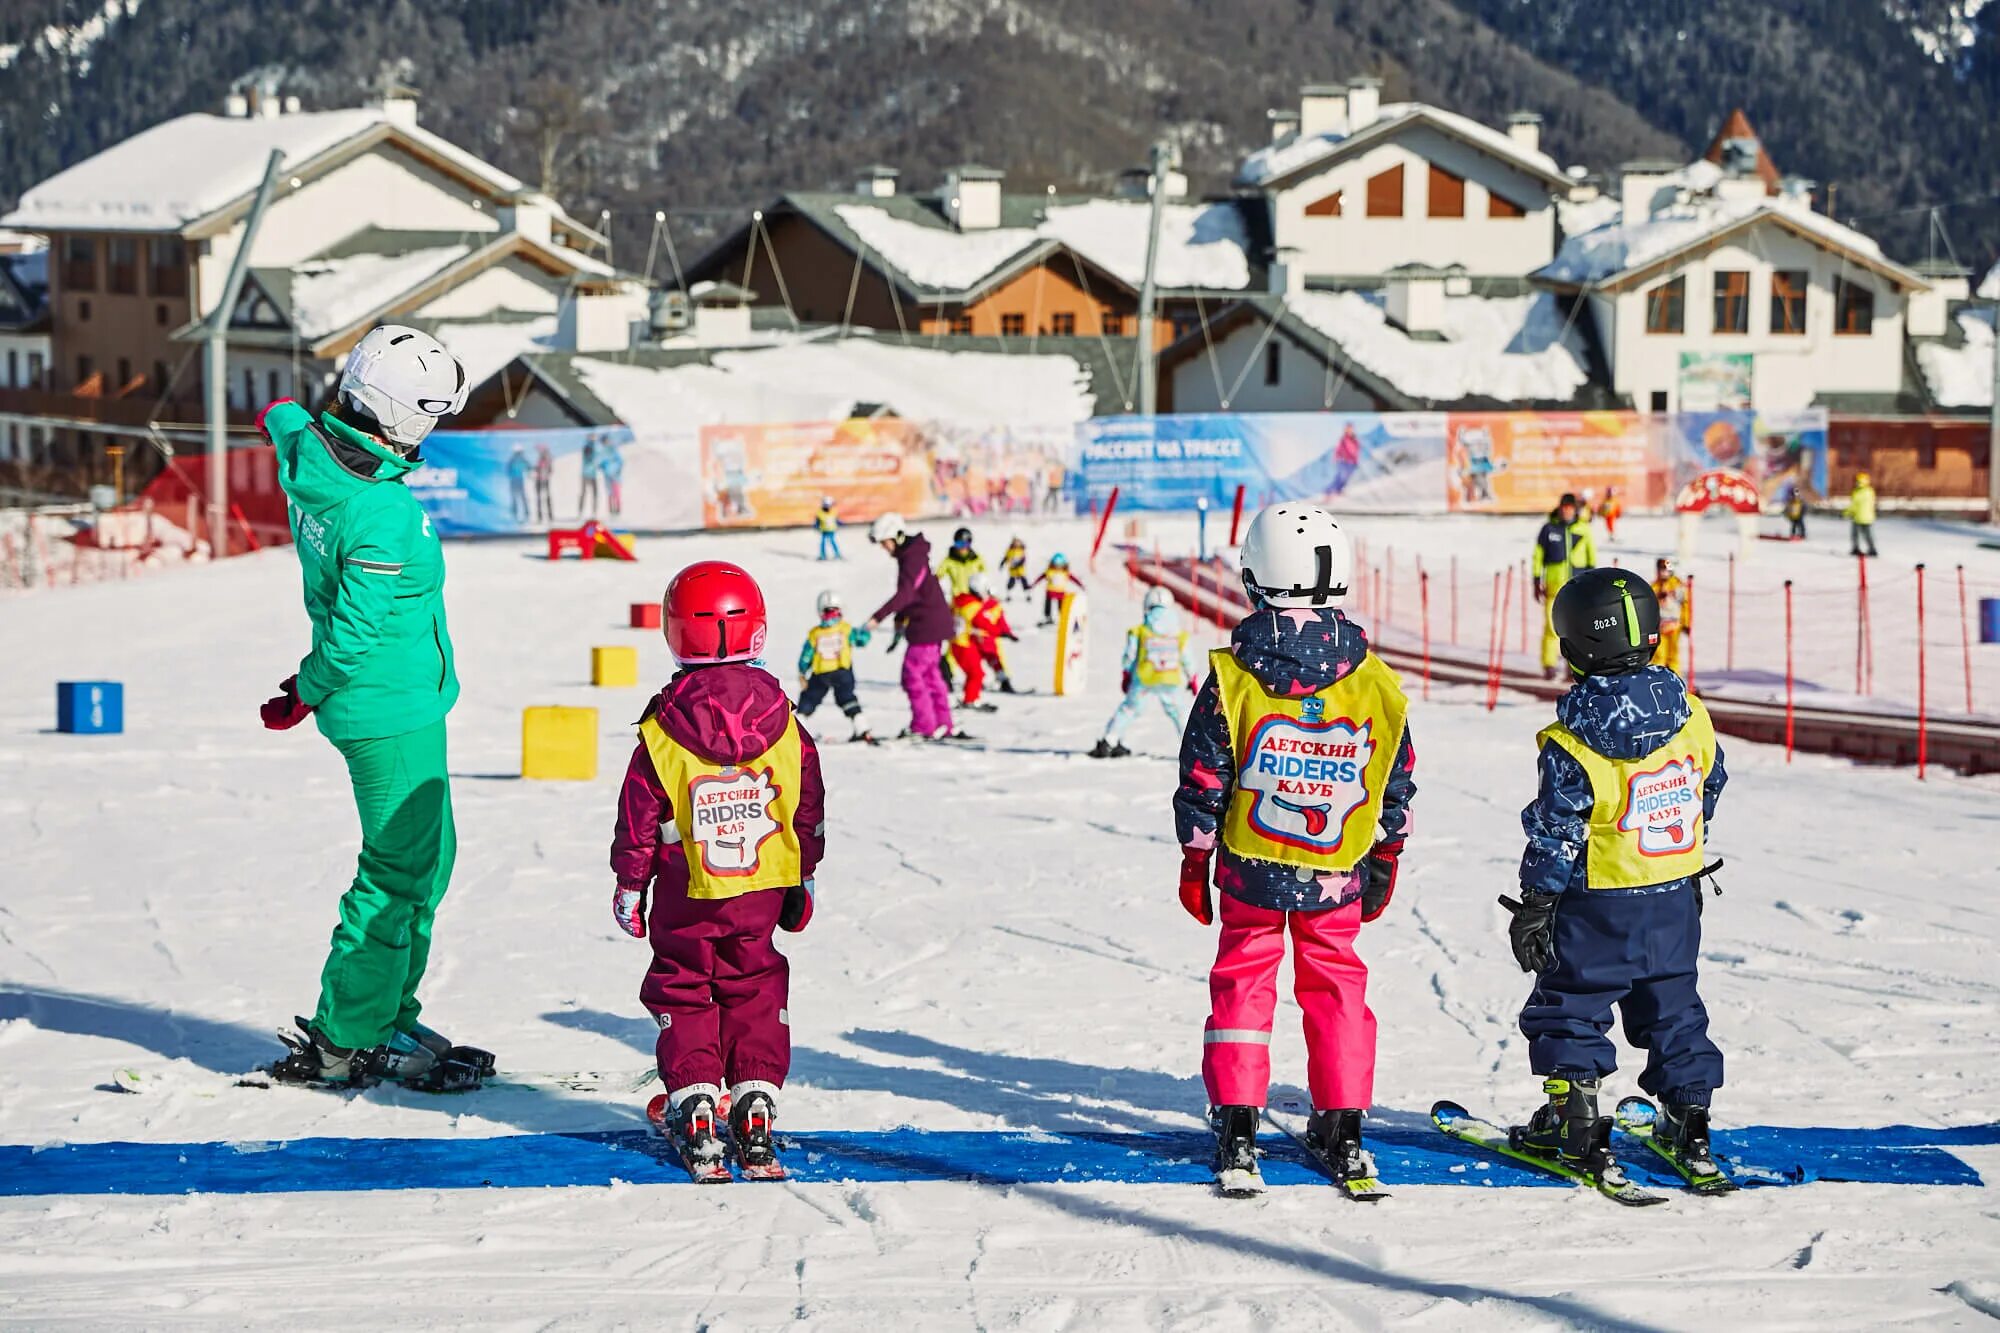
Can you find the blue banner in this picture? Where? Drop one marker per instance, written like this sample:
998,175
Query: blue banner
1779,450
1379,461
479,482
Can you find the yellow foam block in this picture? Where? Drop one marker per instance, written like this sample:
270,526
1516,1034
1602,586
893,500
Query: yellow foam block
559,744
617,665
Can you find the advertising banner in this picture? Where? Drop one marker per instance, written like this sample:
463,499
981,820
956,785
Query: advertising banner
483,482
1776,449
1523,462
767,476
1716,381
1356,462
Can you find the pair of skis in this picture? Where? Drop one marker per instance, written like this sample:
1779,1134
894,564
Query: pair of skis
708,1160
1636,1117
1354,1177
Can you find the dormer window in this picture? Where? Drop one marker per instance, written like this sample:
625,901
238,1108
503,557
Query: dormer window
1666,307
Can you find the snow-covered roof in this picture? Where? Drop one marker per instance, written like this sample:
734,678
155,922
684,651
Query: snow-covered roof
1512,349
184,169
328,295
1961,376
825,380
1201,245
1296,151
483,347
1989,286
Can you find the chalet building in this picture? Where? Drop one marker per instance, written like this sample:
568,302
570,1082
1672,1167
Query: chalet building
374,218
974,260
24,341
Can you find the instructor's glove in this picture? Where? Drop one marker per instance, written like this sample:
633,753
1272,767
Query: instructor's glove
798,908
1532,932
1537,590
1194,885
285,710
628,907
1124,682
1378,877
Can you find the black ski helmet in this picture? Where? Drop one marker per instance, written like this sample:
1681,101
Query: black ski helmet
962,539
1608,621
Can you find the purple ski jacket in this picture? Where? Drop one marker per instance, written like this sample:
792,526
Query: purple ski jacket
919,604
728,713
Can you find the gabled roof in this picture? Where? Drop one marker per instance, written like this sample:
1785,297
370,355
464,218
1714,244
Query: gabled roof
1295,158
1736,131
1622,254
906,240
195,174
24,291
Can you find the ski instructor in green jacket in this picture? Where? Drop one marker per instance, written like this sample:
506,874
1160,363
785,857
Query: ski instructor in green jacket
378,681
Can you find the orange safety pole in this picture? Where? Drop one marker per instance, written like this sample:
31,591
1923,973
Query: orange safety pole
1687,628
1729,652
1502,592
1864,642
1424,602
1236,517
1965,638
1923,701
1454,599
1788,671
1389,606
1375,597
1110,503
1525,599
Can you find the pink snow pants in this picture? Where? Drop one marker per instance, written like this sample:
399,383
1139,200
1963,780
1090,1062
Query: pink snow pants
1331,983
923,682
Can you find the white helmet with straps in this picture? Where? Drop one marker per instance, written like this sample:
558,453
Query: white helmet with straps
1157,596
399,382
1296,555
888,528
828,601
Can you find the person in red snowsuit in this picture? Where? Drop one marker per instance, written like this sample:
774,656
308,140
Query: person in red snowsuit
982,624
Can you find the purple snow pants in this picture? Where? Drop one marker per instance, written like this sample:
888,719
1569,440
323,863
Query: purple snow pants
930,701
717,988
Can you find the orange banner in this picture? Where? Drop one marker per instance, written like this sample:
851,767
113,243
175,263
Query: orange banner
765,476
1523,462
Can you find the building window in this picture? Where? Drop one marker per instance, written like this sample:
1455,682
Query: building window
1732,301
85,370
1385,193
35,370
167,257
249,389
1184,325
1788,301
272,381
1498,206
1853,308
1666,306
1659,400
1063,324
961,325
159,377
1013,326
1328,207
13,368
121,266
1114,322
124,375
83,312
160,315
79,264
1447,193
1273,363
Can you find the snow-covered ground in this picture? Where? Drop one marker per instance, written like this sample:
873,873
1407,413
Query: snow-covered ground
997,947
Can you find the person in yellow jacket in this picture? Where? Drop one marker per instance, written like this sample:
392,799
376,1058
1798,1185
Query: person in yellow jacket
1670,591
1861,515
960,563
1156,668
827,524
826,662
1014,565
1610,909
1562,547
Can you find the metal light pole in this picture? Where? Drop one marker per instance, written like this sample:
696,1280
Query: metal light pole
215,366
1165,158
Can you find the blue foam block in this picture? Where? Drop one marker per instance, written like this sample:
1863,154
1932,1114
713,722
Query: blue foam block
90,707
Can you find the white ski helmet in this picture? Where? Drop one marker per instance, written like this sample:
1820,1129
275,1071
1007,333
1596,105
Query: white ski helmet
888,528
1296,555
979,586
399,382
1157,596
828,601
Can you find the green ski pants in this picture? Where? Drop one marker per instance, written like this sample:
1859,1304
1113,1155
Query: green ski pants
368,990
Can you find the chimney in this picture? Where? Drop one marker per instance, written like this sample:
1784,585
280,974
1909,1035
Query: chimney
1645,186
292,105
876,181
1415,297
1525,129
972,197
1322,109
264,101
1797,191
1285,275
1284,124
236,106
1364,102
400,110
529,213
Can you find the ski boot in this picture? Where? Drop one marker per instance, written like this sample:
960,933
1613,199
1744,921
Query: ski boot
1680,1135
1006,683
753,1112
408,1059
1567,1128
689,1124
446,1049
1105,749
1236,1173
1335,1138
316,1062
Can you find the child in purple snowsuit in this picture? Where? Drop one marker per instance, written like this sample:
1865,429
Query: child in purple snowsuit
925,620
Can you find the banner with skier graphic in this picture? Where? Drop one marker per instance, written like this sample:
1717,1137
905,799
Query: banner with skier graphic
1523,462
492,482
768,476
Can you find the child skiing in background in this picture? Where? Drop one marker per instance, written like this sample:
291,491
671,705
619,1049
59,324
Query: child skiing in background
724,767
1156,668
827,523
1014,565
982,623
1610,908
1611,510
1670,595
826,662
1297,763
923,618
960,563
1059,582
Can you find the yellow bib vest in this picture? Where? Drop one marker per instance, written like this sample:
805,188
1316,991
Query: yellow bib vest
1159,657
831,648
737,823
1311,770
1645,823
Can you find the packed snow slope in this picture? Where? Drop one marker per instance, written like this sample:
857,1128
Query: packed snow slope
997,946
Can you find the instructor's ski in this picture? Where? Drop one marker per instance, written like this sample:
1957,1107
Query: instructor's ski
1458,1123
1704,1175
1355,1179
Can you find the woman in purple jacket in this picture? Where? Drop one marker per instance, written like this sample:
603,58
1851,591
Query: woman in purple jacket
923,617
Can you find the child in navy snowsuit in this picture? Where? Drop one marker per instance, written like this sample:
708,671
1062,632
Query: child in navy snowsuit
1611,895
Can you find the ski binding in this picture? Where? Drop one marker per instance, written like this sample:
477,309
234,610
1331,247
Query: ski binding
1609,1180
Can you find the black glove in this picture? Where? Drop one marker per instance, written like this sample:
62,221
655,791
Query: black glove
1378,877
1532,932
797,909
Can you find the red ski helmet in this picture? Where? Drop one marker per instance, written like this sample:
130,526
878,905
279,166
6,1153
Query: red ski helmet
714,612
